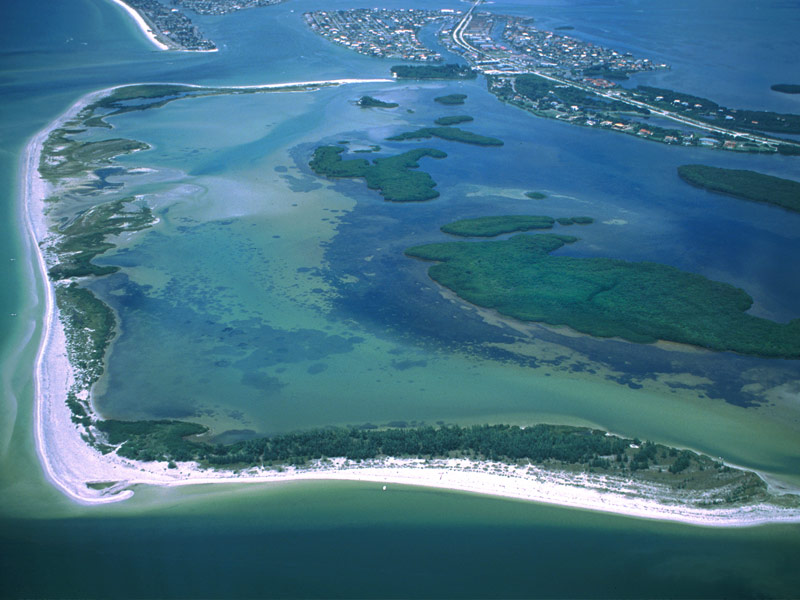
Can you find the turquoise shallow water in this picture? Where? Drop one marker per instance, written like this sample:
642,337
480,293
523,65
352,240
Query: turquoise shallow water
301,311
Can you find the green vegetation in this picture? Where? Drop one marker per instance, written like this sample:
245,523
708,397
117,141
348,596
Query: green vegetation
370,102
492,226
709,111
786,88
506,443
89,329
575,220
454,120
536,195
451,99
132,98
146,96
748,185
391,176
152,440
449,71
146,91
552,446
85,237
641,302
451,134
371,149
63,157
539,89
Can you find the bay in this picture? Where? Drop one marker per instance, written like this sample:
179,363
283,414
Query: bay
351,539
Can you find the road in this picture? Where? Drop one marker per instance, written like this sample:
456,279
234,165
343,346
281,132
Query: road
458,39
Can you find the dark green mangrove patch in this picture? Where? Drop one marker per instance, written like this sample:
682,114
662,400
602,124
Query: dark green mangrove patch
575,220
451,99
449,71
392,176
370,102
451,134
786,88
454,120
637,301
748,185
536,195
493,226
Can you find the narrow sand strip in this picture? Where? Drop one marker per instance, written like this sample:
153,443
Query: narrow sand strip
146,29
70,463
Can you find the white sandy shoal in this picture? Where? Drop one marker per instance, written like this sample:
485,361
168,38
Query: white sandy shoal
142,24
70,463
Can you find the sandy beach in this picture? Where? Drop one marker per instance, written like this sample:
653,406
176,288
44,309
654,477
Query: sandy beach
70,463
142,24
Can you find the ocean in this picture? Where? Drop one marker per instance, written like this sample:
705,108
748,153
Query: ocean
302,311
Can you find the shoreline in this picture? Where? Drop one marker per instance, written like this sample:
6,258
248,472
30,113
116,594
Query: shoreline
143,26
69,463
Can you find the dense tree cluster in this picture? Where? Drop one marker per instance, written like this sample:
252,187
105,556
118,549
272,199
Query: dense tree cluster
492,442
749,185
603,297
392,176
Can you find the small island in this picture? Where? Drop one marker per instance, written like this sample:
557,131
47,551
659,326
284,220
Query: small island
575,220
451,99
748,185
640,302
536,195
448,71
370,102
786,88
451,134
454,120
494,226
391,176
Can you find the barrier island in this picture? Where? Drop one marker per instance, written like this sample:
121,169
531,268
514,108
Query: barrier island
391,176
637,301
553,446
72,220
748,185
451,134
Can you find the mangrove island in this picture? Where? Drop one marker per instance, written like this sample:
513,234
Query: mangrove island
638,301
748,185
